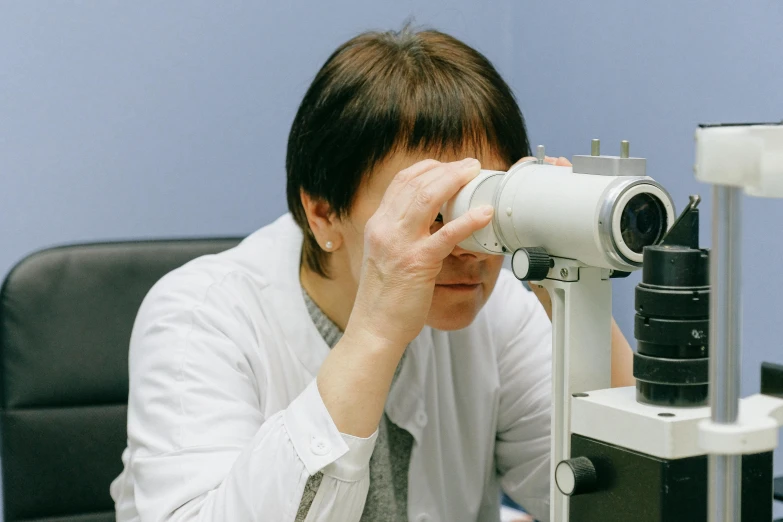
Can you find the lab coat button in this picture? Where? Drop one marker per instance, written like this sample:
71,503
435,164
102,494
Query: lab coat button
421,418
423,517
319,446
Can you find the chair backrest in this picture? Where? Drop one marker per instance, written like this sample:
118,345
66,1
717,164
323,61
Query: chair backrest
65,321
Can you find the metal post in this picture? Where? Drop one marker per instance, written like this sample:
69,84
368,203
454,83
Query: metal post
625,149
540,154
725,319
595,148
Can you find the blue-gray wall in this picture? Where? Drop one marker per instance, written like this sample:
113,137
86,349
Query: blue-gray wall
145,119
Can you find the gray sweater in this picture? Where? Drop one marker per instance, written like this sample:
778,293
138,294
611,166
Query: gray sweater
387,499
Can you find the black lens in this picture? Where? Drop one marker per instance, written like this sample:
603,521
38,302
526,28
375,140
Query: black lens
671,363
642,222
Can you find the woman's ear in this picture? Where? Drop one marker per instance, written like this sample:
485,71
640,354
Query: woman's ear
323,222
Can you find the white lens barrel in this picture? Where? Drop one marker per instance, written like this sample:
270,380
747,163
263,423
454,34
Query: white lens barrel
575,216
480,191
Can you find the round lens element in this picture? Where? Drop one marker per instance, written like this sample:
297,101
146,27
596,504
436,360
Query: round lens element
642,222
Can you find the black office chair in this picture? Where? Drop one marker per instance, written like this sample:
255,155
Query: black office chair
65,322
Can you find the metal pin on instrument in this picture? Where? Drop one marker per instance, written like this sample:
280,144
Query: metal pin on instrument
625,149
595,148
540,154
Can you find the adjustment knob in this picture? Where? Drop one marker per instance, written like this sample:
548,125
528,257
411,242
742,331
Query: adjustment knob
531,264
576,476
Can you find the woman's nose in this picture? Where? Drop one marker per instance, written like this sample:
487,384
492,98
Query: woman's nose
460,252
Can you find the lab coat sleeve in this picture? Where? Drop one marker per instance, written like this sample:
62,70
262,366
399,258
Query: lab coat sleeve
201,447
523,437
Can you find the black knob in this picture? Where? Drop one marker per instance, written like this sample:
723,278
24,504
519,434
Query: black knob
531,264
576,476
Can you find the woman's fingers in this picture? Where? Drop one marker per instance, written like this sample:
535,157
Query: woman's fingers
408,175
423,196
442,242
559,162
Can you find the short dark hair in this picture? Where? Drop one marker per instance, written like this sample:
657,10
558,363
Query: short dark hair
384,92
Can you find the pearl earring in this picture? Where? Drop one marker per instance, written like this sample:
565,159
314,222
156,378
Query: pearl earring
329,245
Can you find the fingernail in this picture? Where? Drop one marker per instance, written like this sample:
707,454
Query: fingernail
487,210
468,162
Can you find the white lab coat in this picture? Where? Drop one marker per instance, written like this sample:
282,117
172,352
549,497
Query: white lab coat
225,422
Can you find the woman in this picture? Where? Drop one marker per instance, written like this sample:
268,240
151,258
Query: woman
349,361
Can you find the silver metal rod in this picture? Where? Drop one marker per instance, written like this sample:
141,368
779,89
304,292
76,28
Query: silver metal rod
540,154
625,149
724,491
595,148
725,352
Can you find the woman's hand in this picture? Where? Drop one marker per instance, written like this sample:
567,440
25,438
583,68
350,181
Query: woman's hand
402,257
401,261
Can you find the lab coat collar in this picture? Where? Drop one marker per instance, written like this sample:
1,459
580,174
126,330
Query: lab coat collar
285,290
405,405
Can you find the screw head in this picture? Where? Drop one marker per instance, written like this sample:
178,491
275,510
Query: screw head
563,272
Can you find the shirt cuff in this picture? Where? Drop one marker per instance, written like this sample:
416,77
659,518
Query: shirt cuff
318,442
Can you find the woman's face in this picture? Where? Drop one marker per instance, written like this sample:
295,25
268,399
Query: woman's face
466,279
